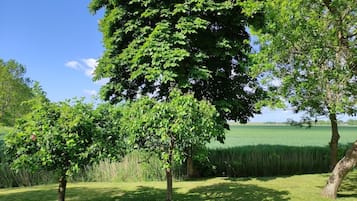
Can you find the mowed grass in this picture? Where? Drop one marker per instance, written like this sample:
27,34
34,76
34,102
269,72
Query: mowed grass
294,188
242,135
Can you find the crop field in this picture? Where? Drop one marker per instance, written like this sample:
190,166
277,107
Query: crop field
241,135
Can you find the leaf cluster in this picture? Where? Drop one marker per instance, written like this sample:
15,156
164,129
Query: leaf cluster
307,55
172,126
199,46
64,137
14,90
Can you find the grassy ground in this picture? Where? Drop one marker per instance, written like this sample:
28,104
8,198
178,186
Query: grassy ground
294,188
241,135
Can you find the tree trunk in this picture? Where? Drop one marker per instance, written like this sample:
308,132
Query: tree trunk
169,184
62,188
341,169
189,166
169,171
334,141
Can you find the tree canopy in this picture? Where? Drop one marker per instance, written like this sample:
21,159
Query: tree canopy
170,127
308,57
199,46
308,54
14,90
64,137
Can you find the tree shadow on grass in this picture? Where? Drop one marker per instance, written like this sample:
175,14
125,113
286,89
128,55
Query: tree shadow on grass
238,192
72,194
217,192
349,186
222,191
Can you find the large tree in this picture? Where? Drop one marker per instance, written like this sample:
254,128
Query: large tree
64,137
14,90
199,46
308,57
168,128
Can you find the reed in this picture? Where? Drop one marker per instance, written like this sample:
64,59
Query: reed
266,160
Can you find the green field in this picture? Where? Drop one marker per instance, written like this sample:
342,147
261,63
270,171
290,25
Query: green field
241,135
294,188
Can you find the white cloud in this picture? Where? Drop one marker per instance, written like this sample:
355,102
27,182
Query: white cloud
90,64
86,66
73,64
90,92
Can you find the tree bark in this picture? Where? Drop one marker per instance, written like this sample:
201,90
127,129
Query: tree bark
62,188
189,166
335,136
345,165
169,184
169,170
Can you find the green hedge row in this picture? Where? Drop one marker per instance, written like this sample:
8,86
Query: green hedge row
266,160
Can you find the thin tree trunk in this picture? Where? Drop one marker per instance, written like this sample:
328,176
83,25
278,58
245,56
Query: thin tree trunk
345,165
334,141
169,184
189,166
169,173
62,188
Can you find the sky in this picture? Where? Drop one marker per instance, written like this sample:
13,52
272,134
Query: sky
58,41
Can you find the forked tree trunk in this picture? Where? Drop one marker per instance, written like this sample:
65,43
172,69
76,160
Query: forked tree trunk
346,164
335,136
62,188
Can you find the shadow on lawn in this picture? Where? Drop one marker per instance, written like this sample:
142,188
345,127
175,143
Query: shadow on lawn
223,191
349,186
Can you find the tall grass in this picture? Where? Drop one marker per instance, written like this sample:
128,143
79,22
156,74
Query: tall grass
266,160
136,166
11,178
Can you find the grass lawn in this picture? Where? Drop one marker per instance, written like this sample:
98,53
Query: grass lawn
241,135
294,188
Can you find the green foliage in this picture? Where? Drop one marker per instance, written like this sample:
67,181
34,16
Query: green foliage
62,137
308,56
352,122
14,90
197,46
169,128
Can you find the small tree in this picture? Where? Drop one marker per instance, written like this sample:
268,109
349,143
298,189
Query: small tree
62,137
169,127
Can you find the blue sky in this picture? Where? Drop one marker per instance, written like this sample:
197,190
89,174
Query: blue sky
58,41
